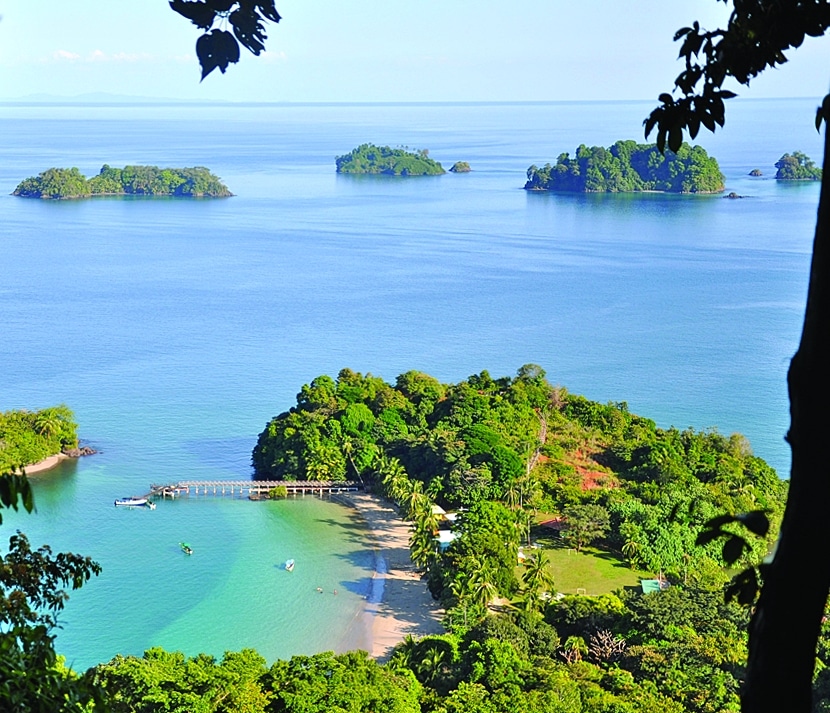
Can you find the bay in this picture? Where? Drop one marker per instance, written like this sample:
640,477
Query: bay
175,329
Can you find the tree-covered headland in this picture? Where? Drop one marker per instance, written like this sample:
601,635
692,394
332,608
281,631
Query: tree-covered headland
57,183
797,166
368,158
27,437
503,449
628,167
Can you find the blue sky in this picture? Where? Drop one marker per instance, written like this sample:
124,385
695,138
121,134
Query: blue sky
377,50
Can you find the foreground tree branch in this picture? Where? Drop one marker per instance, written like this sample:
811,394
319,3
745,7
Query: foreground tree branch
785,627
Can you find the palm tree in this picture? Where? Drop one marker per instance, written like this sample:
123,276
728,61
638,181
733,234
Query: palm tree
414,499
536,580
423,547
482,589
403,655
631,549
431,665
461,590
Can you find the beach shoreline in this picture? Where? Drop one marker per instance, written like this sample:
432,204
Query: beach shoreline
399,603
46,464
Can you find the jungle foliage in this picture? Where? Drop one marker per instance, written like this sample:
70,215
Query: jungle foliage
503,449
629,167
57,183
27,437
797,167
368,158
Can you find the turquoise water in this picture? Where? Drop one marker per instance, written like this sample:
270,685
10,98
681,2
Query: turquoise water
176,329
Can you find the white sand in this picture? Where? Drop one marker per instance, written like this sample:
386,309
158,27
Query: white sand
406,607
45,464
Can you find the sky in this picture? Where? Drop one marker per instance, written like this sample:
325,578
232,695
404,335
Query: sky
377,50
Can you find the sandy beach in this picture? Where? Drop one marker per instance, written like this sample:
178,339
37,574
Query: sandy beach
405,606
45,464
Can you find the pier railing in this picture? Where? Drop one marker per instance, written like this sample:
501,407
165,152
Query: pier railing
252,489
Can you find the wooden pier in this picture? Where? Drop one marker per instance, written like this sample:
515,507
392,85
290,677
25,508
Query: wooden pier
251,489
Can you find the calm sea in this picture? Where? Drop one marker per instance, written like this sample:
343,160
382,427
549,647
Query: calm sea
175,329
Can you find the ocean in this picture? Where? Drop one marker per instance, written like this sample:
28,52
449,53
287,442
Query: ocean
175,329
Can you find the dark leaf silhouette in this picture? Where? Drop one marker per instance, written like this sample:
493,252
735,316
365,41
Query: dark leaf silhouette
199,13
217,48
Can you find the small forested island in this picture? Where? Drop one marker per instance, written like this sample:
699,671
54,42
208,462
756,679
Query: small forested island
629,167
797,167
66,183
460,167
368,158
28,437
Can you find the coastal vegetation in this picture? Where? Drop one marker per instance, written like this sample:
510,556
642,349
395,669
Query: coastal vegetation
460,167
512,456
27,437
629,167
797,167
368,158
64,183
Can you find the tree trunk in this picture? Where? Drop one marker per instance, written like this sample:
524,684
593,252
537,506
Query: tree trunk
787,620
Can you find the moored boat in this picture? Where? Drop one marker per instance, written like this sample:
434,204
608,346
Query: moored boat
131,502
289,565
187,549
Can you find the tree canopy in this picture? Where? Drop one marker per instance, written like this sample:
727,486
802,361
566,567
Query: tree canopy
629,167
197,182
797,167
27,437
368,158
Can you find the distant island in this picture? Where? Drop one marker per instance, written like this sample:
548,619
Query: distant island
629,167
460,167
368,158
65,183
797,167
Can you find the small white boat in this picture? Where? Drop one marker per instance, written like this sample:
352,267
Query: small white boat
131,502
150,505
289,565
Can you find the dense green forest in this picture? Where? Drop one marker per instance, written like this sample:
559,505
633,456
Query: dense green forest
509,455
368,158
58,183
27,437
629,167
797,167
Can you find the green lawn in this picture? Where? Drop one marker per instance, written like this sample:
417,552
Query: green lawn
592,571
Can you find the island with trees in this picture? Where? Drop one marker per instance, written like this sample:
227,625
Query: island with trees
629,167
28,437
460,167
371,159
797,167
66,183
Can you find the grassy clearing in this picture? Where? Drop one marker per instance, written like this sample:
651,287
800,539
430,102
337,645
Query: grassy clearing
592,571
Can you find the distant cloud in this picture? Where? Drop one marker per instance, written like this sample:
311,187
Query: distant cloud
100,56
273,56
65,56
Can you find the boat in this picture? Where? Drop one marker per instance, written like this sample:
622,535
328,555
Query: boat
150,505
289,565
131,502
187,549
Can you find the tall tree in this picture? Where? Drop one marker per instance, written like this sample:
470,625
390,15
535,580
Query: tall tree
787,620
